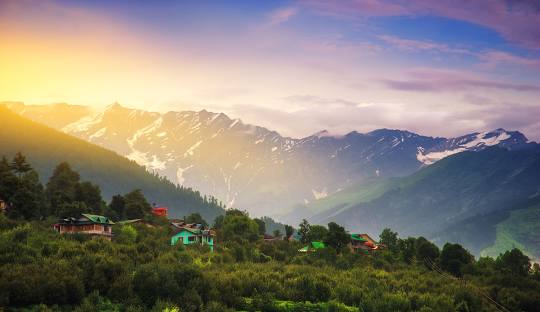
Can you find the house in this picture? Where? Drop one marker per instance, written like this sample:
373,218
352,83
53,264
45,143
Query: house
363,243
160,211
3,206
98,226
313,246
190,233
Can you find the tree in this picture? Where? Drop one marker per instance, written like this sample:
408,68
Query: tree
389,239
196,218
126,235
90,194
514,262
408,249
454,257
303,230
27,201
262,226
317,233
118,206
136,205
277,233
289,231
19,164
426,249
337,237
218,222
61,187
8,181
71,209
240,228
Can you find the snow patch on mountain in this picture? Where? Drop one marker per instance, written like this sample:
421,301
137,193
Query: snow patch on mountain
320,194
180,174
479,141
98,134
192,149
83,124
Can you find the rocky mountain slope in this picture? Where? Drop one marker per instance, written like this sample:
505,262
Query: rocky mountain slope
251,167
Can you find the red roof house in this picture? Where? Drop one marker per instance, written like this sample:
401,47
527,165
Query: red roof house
160,211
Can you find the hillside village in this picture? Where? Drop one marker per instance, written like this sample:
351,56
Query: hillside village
186,234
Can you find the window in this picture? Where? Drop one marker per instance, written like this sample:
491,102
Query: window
191,238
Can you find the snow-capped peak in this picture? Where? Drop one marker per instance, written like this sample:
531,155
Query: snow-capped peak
471,142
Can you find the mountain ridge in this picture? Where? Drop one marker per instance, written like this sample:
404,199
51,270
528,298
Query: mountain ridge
257,169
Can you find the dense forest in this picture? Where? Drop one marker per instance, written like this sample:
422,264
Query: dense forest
138,270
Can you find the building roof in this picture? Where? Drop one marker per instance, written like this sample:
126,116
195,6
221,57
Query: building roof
358,237
98,219
312,246
128,221
317,245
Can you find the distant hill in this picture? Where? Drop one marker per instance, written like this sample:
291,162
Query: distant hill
46,147
472,198
251,167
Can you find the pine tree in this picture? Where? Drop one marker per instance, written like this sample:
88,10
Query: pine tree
303,230
19,164
118,206
136,205
62,187
27,199
8,181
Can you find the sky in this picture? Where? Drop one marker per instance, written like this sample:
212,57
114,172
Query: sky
440,68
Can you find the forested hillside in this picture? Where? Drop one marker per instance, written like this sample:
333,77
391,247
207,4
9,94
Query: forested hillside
114,174
41,270
460,198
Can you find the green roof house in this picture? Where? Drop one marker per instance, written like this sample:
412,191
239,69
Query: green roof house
87,224
188,234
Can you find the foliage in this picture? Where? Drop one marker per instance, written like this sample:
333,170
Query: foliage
454,257
336,237
514,262
196,218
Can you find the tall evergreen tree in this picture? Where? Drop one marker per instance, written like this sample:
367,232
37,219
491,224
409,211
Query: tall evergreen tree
27,197
8,181
90,195
62,187
136,205
19,165
118,207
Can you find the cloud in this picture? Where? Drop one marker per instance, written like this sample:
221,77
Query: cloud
281,15
494,58
517,21
449,120
312,100
419,45
430,80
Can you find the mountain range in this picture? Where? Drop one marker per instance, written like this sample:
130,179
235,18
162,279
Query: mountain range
45,148
253,168
462,198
